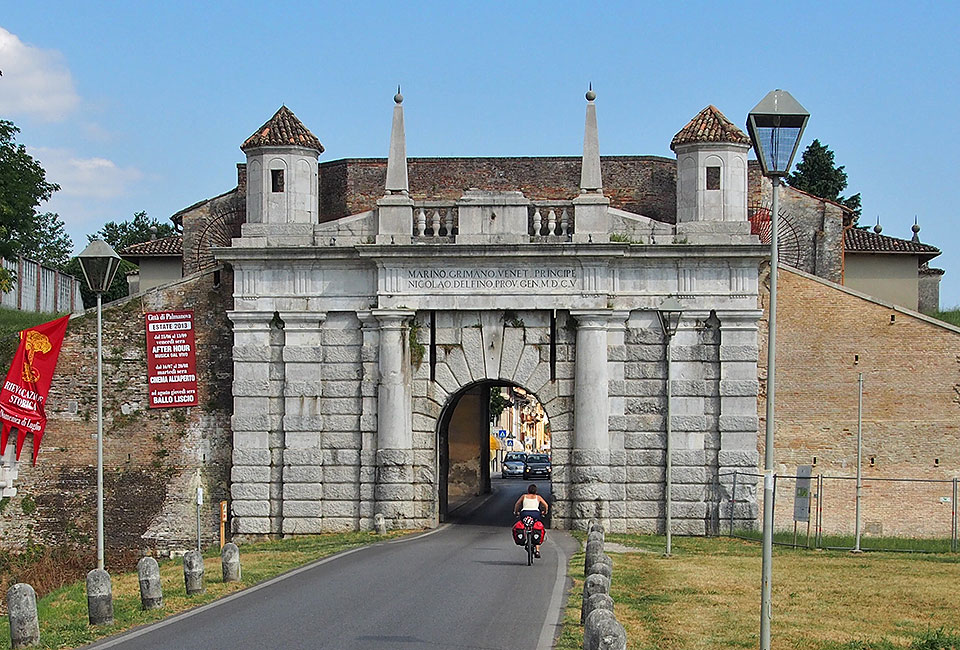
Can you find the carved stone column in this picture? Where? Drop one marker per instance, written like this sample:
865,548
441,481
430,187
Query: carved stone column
590,463
395,491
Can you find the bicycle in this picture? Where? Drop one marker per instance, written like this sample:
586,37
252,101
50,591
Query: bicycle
528,539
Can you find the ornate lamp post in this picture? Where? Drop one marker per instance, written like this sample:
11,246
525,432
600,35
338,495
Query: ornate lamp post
99,263
669,314
775,126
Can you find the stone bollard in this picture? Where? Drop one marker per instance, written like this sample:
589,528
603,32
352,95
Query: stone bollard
595,527
99,598
379,524
610,635
151,591
594,584
230,562
22,611
599,620
597,601
602,568
593,552
193,572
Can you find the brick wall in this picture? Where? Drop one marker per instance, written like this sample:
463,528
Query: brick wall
151,456
911,428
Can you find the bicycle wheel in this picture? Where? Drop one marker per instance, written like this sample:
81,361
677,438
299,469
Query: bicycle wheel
529,549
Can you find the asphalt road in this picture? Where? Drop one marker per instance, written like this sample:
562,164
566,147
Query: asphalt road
464,585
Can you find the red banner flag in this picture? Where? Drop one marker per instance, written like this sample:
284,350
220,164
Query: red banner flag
24,392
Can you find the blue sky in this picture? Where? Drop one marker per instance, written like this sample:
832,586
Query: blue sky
135,106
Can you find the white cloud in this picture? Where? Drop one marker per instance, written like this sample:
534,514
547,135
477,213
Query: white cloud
93,178
35,82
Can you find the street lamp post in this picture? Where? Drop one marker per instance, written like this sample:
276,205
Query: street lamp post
669,314
856,548
99,263
775,126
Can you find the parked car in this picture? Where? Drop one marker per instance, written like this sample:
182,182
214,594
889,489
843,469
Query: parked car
513,464
537,466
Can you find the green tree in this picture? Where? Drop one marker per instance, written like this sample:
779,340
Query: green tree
48,242
818,174
23,187
498,403
133,231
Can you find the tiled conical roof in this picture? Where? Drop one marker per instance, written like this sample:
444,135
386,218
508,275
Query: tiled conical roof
710,125
282,130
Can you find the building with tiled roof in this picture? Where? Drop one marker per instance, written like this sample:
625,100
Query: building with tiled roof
159,261
890,268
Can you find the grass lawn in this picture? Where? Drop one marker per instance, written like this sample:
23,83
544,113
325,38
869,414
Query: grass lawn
13,321
707,597
63,613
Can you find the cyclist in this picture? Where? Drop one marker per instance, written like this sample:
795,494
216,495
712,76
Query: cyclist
531,504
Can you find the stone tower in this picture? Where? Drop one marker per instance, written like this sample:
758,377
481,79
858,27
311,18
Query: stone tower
282,171
711,173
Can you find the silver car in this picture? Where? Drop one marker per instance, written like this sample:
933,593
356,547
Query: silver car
513,464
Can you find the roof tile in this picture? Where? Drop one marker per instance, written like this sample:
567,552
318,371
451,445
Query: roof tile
862,240
166,246
710,125
282,130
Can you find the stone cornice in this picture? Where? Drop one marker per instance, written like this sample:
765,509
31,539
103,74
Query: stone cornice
419,252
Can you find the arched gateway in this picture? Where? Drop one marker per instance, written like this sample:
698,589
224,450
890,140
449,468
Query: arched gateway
351,337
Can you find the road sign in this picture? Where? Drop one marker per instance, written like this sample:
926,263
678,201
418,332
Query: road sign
502,433
510,443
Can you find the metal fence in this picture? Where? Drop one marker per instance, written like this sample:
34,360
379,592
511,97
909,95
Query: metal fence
40,288
897,514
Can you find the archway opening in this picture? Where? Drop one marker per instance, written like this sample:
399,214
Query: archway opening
494,439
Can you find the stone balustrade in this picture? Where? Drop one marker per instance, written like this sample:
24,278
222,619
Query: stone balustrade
438,221
435,221
551,220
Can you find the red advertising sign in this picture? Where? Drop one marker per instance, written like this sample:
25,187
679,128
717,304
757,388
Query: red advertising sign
171,359
25,389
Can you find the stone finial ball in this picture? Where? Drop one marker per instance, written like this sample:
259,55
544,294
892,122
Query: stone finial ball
398,98
915,228
878,229
591,95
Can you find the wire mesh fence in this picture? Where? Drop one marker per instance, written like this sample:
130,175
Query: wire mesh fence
820,511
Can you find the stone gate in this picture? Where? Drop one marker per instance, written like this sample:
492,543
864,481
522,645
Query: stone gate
351,336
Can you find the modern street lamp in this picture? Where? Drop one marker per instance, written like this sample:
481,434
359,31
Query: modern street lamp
99,263
669,314
775,126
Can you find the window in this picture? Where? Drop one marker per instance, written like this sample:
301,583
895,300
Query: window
276,178
713,178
